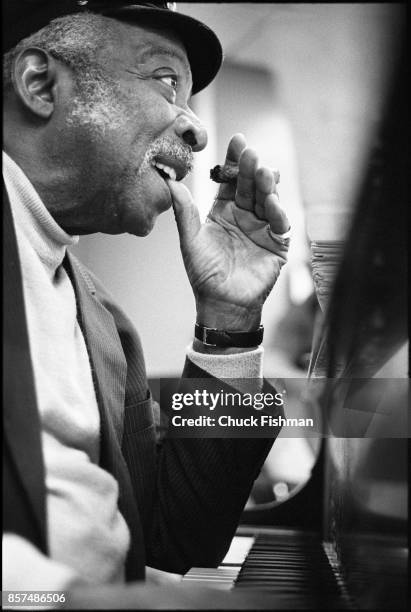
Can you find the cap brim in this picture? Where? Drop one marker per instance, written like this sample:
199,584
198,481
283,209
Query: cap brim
203,48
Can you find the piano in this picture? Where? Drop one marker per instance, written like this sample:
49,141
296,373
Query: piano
355,558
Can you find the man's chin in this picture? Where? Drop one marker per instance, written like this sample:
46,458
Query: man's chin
144,224
138,225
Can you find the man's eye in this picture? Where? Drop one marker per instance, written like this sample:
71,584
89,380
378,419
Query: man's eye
170,80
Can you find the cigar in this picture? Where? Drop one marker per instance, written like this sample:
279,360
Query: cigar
224,174
229,174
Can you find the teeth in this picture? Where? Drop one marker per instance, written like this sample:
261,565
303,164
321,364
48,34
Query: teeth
170,171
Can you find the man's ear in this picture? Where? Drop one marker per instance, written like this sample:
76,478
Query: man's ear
34,78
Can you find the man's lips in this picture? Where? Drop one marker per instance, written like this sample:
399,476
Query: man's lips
171,167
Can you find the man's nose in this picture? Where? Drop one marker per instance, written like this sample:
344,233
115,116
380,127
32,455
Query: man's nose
189,129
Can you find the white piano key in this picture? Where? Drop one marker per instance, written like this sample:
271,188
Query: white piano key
238,551
224,576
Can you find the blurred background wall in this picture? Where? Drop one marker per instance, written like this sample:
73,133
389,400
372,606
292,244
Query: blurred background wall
306,85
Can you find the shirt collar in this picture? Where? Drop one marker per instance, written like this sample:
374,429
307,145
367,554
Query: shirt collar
32,217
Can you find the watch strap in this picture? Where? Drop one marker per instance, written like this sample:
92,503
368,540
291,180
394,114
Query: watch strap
211,336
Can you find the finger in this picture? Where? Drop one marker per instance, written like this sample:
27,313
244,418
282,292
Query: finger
235,147
186,212
264,185
245,193
275,215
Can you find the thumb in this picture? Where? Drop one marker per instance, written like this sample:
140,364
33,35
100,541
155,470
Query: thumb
185,211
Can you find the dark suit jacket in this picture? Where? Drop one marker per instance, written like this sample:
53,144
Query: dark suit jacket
181,499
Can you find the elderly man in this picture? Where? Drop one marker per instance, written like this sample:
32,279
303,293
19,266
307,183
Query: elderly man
98,135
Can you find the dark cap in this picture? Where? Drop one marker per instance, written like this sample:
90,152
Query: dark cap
24,17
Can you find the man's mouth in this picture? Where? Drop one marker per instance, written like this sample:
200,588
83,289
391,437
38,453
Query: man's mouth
166,172
170,168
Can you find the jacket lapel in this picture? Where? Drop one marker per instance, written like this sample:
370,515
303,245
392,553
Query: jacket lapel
109,368
21,417
108,364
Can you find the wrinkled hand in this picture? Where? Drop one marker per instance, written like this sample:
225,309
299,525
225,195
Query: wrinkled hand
232,260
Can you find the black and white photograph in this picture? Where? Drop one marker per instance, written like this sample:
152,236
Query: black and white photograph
205,306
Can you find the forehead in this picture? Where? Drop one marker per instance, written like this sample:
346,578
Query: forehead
144,43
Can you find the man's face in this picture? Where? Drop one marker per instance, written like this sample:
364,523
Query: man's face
124,136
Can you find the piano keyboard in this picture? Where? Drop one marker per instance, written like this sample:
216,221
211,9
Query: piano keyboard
224,576
292,565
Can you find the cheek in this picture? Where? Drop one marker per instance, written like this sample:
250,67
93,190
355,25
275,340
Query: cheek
151,115
121,146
